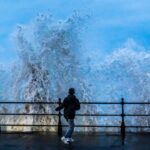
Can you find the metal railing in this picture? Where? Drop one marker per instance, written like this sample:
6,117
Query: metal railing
122,126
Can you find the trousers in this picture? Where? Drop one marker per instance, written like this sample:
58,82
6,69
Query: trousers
70,129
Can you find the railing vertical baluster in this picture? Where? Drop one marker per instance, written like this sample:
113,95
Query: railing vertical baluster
122,121
59,120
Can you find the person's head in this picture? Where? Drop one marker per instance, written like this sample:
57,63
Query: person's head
71,91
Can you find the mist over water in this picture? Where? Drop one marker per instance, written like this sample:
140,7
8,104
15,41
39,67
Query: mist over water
52,58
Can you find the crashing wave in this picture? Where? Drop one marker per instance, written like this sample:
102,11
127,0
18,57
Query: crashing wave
51,60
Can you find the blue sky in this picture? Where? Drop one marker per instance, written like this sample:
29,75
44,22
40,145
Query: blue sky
112,21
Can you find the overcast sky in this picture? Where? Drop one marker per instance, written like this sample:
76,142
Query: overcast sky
112,21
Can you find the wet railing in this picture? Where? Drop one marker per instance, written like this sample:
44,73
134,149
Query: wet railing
122,125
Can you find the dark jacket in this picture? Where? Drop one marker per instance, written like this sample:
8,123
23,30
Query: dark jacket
70,105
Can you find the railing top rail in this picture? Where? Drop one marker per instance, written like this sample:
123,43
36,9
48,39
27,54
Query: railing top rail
54,114
14,102
55,125
107,103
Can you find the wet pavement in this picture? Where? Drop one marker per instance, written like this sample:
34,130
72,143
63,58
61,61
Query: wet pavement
82,142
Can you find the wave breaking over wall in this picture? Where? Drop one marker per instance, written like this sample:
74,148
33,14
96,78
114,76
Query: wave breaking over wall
52,59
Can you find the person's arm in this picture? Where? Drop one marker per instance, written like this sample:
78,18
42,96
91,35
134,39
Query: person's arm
77,104
61,106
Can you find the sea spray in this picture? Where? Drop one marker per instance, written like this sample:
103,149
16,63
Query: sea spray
52,59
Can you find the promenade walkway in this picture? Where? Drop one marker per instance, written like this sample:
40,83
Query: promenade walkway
82,142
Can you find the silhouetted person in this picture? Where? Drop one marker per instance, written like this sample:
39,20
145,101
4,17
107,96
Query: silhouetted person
70,105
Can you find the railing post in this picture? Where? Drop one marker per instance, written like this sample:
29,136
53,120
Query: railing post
122,122
0,129
59,120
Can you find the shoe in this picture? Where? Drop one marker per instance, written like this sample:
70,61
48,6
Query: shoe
70,139
65,140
